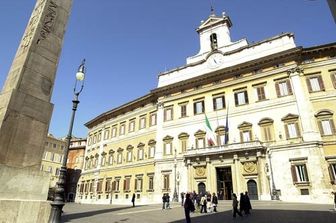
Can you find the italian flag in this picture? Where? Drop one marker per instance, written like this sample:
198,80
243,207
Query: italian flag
210,135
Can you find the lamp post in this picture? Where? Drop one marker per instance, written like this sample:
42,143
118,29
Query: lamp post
275,195
175,196
58,202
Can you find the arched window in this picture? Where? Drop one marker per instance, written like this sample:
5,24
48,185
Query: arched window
213,41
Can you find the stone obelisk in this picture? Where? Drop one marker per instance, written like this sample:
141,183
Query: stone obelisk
25,113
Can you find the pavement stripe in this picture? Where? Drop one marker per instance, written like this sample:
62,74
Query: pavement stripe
140,211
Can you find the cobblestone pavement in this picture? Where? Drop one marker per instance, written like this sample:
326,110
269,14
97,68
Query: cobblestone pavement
263,212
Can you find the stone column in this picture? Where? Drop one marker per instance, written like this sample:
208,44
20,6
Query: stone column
237,172
25,113
305,108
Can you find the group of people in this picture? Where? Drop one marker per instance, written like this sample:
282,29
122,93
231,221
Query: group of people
244,204
165,201
208,203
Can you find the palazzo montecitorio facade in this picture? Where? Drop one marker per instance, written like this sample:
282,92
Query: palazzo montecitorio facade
270,106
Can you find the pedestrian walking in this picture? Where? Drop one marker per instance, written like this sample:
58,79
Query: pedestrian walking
188,207
242,203
133,199
164,201
182,198
235,206
214,202
203,204
167,201
334,193
248,203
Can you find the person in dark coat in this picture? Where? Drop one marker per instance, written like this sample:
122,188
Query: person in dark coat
133,200
214,202
242,203
248,204
235,206
164,201
188,207
182,198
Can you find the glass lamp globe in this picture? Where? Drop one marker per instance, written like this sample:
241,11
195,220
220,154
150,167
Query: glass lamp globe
80,76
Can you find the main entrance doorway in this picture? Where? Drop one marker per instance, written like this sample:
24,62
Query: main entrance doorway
201,188
252,190
224,183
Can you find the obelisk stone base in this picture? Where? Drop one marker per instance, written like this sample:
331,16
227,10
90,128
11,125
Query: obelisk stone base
23,195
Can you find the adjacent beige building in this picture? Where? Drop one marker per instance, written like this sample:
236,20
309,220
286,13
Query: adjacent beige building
52,158
270,106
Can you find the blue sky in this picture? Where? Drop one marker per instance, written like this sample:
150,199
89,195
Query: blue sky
127,43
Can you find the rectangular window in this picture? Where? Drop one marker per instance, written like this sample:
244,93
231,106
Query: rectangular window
183,108
152,119
114,131
99,136
108,185
52,155
166,182
129,156
140,154
218,103
241,98
283,88
315,83
168,114
261,93
246,136
100,186
198,107
110,161
151,151
122,129
200,143
103,160
332,172
138,184
131,126
326,127
151,183
292,130
127,184
142,123
266,132
167,148
45,155
299,173
184,145
106,134
119,158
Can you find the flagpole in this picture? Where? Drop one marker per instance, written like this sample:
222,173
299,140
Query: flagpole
226,140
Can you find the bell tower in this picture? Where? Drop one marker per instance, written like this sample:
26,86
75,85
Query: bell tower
214,33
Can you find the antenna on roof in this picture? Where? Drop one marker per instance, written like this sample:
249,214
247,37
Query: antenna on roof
212,11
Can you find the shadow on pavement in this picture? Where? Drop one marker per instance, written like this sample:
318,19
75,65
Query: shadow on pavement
266,216
69,217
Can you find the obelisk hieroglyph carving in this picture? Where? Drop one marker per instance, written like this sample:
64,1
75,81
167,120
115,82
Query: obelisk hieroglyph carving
25,108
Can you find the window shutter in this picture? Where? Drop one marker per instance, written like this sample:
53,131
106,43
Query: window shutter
135,184
332,125
277,89
294,177
241,136
286,131
306,172
224,106
250,133
124,184
331,174
194,108
333,78
290,92
308,84
236,98
320,80
140,185
319,123
297,129
246,97
203,107
214,103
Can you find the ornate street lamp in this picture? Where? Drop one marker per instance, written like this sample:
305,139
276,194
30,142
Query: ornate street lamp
175,196
58,203
274,195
